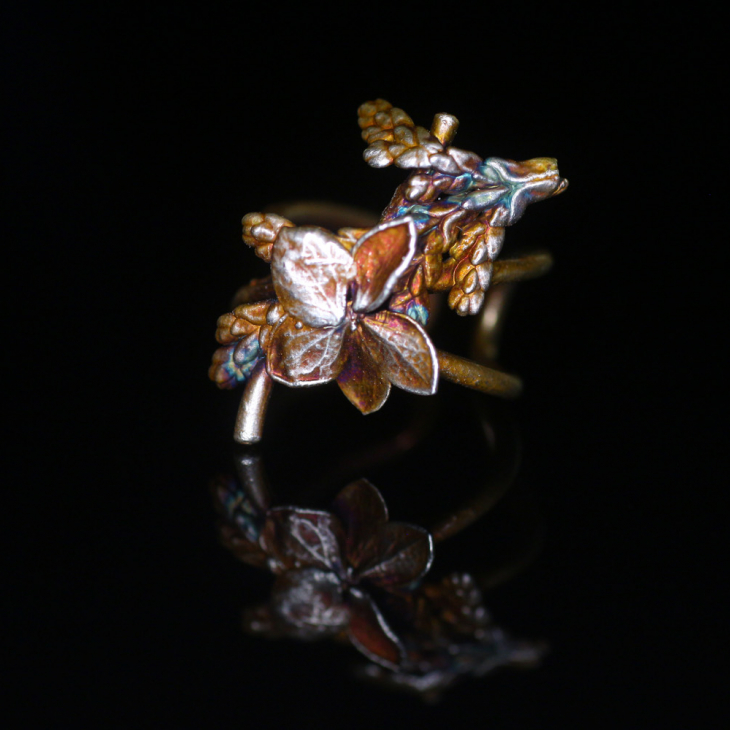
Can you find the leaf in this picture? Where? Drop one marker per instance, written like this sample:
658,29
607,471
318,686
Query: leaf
370,633
360,379
225,372
401,554
233,503
301,355
362,510
403,351
242,548
260,231
381,257
297,538
311,272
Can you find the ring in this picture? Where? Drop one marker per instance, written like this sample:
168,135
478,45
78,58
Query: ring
352,306
351,574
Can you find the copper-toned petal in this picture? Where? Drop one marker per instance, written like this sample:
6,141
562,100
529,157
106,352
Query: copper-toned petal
370,633
297,538
360,379
401,554
403,351
303,355
362,510
311,272
381,257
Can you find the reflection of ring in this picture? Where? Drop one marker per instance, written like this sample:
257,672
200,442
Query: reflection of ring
351,574
352,306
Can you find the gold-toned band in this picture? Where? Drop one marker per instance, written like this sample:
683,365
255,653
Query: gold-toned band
478,377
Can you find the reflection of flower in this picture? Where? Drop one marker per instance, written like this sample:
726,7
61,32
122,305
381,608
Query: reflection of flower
450,636
328,563
351,574
335,325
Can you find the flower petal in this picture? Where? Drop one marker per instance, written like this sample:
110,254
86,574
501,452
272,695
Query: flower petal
362,510
311,272
241,547
302,355
403,351
401,554
370,633
310,603
360,379
297,538
381,257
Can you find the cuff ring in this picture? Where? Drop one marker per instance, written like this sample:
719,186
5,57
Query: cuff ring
353,306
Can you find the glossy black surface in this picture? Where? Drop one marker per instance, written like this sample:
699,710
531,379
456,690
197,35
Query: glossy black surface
138,142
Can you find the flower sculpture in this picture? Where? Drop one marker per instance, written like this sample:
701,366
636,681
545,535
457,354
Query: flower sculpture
353,575
350,306
328,564
335,324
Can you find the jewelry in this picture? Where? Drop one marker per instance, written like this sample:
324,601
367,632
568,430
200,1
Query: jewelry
352,306
350,574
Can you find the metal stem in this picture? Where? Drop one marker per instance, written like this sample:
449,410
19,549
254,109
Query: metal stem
472,375
251,413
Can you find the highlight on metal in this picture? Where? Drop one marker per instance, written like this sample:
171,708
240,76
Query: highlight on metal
353,305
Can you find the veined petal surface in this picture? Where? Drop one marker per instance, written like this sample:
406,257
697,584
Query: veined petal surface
399,554
361,380
303,355
298,538
311,271
363,512
370,633
381,257
403,351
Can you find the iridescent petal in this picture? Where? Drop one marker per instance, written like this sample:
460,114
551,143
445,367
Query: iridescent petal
403,351
381,256
298,538
370,633
360,379
303,355
311,272
362,510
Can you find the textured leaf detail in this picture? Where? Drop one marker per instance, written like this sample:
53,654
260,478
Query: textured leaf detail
297,538
393,137
381,257
311,272
370,633
260,231
360,379
403,350
233,365
302,355
401,554
362,510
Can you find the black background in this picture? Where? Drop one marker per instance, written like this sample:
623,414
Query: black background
137,141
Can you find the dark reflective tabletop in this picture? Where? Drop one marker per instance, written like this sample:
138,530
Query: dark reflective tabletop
551,562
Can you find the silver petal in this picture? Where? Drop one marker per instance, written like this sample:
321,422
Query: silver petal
311,271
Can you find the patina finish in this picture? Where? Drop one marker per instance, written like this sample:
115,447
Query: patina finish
352,305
